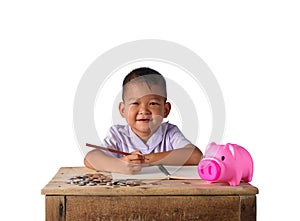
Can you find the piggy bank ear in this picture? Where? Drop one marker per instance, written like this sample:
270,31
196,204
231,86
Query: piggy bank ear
231,148
212,149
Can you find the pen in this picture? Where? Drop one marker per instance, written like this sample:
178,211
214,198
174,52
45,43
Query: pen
164,170
107,149
112,150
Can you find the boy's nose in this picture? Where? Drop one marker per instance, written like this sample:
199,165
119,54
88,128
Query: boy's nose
144,109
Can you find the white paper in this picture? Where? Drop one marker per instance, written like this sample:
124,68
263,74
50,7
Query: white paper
153,172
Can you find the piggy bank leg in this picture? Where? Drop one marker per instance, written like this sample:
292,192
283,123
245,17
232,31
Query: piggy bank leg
234,182
247,179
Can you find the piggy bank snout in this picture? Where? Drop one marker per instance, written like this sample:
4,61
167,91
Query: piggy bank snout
209,170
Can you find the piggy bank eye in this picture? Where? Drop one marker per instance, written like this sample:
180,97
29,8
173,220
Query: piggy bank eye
222,158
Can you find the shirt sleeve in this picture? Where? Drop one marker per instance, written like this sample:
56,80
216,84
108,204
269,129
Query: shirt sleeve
111,141
176,137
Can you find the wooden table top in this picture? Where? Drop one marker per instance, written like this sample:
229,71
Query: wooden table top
59,186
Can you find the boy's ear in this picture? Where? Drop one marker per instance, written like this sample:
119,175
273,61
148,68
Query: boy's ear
167,109
122,109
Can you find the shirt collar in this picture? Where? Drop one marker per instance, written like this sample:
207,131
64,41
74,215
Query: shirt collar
126,130
158,136
153,141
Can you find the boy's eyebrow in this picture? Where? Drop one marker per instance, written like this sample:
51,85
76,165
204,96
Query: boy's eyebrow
152,97
130,100
155,99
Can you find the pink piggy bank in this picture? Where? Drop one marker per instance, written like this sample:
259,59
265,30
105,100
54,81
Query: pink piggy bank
226,163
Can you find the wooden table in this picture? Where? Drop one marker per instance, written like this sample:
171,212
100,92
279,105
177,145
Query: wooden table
153,200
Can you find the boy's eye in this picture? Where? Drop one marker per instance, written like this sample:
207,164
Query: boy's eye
134,103
154,103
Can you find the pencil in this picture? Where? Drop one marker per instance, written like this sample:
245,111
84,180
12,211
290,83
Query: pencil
107,149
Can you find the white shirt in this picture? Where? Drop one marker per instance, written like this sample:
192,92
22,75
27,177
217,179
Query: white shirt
167,137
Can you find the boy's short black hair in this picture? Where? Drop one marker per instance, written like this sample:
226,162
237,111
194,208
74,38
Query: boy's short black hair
147,75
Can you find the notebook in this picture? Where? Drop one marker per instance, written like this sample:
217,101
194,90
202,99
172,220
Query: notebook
161,172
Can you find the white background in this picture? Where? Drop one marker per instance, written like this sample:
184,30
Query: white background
253,49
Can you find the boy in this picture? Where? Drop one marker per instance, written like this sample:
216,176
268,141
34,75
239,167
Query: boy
146,137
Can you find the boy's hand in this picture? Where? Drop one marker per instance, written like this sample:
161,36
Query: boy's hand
135,157
133,162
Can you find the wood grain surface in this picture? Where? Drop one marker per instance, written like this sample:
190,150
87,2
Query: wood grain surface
151,200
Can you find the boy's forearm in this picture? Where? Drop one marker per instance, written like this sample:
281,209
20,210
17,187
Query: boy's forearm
99,161
188,155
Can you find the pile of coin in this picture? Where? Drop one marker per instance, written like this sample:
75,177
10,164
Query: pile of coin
89,179
100,179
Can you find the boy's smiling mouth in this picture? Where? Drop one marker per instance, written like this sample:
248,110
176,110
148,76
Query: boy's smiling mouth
144,120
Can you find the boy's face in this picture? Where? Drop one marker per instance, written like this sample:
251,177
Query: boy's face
144,108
